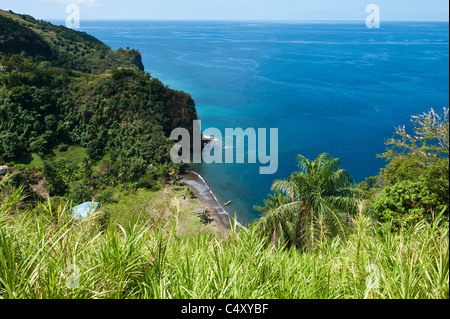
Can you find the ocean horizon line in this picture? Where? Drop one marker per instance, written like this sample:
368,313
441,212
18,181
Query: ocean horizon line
303,21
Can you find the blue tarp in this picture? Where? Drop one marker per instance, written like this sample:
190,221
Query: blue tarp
85,209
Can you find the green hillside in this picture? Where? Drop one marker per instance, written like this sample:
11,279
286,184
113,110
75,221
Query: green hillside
62,46
61,88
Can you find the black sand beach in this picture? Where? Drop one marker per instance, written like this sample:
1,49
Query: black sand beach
205,195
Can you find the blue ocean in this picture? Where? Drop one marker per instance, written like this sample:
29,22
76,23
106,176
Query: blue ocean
329,87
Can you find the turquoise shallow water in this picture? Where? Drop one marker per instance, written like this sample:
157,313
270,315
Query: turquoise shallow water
334,87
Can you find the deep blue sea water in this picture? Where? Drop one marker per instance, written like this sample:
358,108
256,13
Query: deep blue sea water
334,87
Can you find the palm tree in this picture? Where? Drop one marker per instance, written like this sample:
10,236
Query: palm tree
320,193
272,202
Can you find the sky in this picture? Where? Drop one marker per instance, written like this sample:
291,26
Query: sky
289,10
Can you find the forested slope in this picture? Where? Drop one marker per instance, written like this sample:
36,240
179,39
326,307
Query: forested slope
60,87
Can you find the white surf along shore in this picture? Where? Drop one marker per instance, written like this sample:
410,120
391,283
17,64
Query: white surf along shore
204,193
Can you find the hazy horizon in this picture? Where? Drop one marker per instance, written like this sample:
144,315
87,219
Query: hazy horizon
233,10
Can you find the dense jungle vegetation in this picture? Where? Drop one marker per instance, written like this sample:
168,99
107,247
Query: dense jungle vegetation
55,96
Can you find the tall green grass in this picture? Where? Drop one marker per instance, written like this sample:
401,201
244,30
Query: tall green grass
142,261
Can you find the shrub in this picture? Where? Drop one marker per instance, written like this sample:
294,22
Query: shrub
119,74
63,147
406,202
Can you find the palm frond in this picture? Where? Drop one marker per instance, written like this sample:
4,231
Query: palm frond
286,212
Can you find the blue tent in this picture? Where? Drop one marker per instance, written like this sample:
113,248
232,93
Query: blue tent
85,209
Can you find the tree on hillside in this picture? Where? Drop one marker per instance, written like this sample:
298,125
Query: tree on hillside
430,139
54,180
321,199
409,154
415,182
